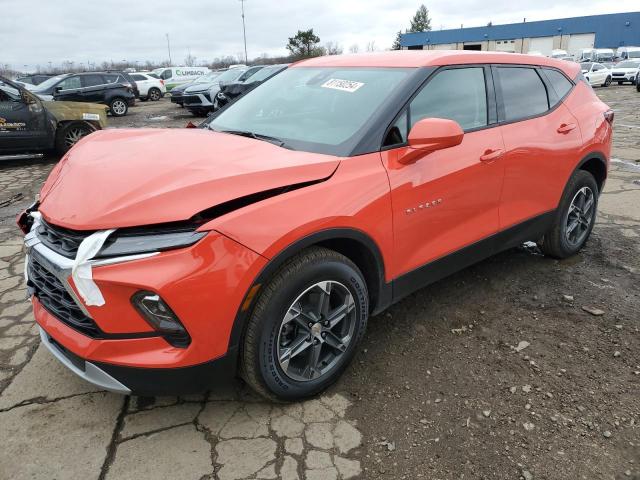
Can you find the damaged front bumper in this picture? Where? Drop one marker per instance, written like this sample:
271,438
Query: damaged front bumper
110,344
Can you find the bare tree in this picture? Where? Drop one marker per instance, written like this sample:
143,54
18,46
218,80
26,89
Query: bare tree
332,48
190,60
354,48
371,46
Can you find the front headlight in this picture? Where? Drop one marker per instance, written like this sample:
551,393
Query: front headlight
132,243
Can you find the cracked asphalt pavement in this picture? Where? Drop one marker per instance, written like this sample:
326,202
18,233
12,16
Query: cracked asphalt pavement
500,371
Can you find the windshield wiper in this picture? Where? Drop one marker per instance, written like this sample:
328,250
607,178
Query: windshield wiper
257,136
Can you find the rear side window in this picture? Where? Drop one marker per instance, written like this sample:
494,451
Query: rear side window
523,93
114,78
561,84
92,80
456,94
138,78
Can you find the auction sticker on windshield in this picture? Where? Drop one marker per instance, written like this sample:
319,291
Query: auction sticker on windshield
344,85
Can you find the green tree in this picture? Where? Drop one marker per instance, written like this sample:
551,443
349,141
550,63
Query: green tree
304,44
396,43
421,21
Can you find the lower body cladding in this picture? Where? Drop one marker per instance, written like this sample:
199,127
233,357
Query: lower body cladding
115,348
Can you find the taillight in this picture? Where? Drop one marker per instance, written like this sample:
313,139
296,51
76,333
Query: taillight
608,116
161,82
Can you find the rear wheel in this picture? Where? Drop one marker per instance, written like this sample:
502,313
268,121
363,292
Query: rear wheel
118,107
305,326
574,218
68,135
154,94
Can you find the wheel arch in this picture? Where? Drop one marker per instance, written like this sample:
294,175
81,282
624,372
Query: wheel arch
596,164
354,244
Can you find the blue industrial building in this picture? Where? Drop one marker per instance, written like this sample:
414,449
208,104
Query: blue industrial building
570,34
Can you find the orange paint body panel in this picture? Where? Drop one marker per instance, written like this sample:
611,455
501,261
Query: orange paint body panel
248,203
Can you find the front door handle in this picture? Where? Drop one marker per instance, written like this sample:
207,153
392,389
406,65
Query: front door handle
491,154
566,127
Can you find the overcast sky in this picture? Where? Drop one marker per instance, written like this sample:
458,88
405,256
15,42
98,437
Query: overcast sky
38,31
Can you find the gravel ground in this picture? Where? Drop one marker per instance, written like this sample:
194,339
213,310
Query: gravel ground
518,367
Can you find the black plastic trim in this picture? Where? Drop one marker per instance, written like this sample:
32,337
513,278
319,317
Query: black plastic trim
174,381
382,301
531,229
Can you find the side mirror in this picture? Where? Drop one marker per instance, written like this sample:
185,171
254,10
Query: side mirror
431,134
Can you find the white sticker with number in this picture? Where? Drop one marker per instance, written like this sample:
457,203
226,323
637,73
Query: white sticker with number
90,116
344,85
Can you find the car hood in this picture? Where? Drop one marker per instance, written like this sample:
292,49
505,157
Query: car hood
130,177
625,69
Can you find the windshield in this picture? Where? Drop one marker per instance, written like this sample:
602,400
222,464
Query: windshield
308,108
231,74
49,83
586,66
605,57
207,78
264,73
628,65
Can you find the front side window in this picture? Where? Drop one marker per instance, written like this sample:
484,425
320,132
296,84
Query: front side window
523,93
114,78
166,74
319,109
456,94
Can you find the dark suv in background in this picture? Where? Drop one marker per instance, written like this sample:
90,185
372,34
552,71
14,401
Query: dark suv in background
110,88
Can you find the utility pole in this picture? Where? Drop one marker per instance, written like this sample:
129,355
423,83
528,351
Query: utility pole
169,48
244,33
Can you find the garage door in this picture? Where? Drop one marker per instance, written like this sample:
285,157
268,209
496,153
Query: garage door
544,45
445,46
578,42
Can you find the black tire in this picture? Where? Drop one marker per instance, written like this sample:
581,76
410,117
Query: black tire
118,106
143,99
638,84
259,365
555,242
619,83
69,134
154,94
607,82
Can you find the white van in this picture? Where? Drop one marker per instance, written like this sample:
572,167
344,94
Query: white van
604,55
174,76
628,53
558,53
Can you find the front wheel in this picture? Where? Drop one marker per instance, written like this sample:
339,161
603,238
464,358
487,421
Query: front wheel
118,107
68,135
305,326
607,82
574,218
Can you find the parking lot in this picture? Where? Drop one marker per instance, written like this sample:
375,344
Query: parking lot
518,367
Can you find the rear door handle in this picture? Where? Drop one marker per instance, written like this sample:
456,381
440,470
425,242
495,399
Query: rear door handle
491,154
566,127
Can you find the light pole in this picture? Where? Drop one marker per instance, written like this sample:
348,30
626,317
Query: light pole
168,48
244,33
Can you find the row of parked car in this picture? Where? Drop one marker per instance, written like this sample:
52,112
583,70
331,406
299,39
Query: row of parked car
118,90
602,74
214,90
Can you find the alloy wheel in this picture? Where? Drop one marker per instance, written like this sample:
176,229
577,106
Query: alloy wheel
119,107
154,95
316,331
580,215
73,135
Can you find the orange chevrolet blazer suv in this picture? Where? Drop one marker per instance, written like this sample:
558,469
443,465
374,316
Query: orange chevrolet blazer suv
164,261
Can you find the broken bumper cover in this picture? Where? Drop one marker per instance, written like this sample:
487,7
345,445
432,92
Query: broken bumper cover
112,344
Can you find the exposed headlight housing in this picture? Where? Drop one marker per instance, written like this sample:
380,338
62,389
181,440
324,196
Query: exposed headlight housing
160,316
122,243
